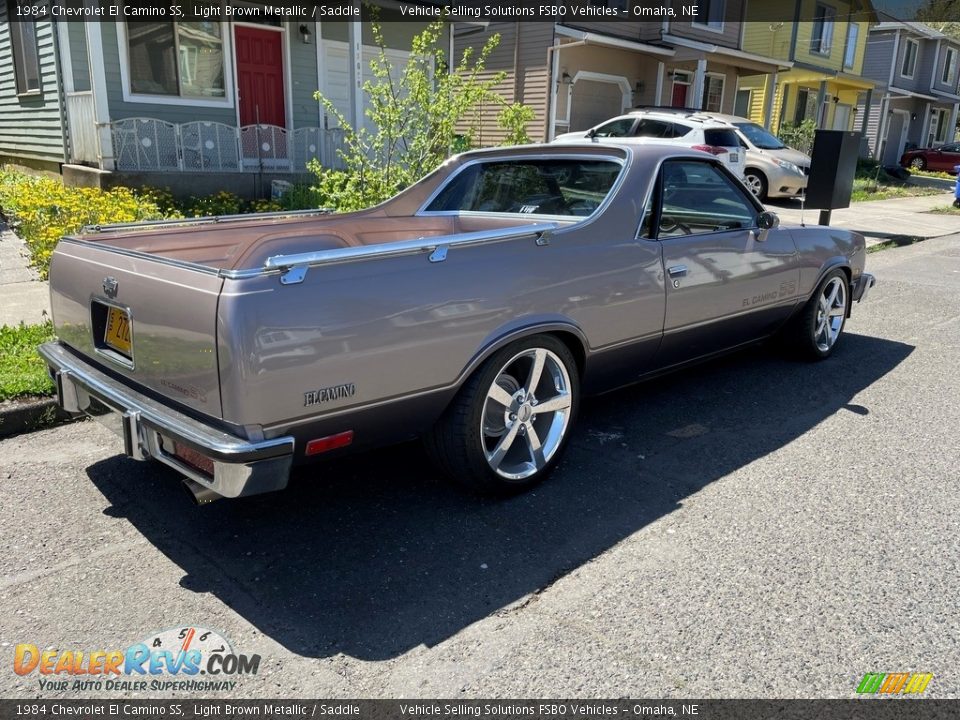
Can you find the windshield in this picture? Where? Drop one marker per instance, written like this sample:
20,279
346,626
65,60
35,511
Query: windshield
759,137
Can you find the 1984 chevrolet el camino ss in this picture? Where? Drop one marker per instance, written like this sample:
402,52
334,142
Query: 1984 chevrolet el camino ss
473,309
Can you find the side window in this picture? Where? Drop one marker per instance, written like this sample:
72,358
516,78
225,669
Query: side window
615,128
654,128
699,198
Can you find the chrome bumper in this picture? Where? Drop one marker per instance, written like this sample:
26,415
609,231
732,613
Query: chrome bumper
861,287
149,429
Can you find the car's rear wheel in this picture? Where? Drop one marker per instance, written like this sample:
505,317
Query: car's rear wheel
817,328
918,163
506,428
757,184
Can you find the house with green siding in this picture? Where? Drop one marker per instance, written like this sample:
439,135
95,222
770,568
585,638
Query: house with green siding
229,102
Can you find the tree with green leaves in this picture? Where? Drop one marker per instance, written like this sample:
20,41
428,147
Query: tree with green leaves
420,113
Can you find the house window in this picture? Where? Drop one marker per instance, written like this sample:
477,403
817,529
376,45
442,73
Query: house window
939,120
949,74
806,106
176,58
822,40
710,14
26,59
909,65
713,93
850,52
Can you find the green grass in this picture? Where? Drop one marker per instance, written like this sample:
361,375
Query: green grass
872,183
945,210
933,174
22,371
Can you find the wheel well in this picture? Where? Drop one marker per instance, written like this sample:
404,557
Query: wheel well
574,346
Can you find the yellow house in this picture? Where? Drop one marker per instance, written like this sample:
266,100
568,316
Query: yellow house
825,44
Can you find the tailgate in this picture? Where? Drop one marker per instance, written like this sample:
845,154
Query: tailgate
148,319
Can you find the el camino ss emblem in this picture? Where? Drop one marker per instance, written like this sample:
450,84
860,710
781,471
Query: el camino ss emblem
328,394
110,286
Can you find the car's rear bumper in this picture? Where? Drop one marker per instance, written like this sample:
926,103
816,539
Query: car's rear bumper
862,286
232,466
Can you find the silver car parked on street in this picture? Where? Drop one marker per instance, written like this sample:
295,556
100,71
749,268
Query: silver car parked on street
474,309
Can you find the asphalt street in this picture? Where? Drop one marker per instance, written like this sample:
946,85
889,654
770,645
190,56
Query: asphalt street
754,527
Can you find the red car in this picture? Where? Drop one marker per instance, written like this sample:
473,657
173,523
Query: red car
943,158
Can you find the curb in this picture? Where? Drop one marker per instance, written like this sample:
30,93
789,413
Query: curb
27,415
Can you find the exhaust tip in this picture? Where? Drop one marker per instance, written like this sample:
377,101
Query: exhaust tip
200,494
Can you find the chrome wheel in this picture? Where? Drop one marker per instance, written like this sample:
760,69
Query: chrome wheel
526,413
918,163
831,312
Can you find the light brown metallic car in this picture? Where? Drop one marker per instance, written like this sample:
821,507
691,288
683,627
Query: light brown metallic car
473,309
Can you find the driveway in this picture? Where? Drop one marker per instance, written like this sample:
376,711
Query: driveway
755,527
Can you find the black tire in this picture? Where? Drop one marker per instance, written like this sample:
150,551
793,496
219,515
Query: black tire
918,163
463,437
757,184
803,332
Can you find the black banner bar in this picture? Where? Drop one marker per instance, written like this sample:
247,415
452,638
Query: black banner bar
569,12
873,708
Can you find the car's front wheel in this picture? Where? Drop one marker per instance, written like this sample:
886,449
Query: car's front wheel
508,424
756,183
818,326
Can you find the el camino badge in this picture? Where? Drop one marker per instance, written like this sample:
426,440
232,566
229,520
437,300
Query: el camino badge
329,394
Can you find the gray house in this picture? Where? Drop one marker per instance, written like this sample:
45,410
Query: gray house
918,70
229,101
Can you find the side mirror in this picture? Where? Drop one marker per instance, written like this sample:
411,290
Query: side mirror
768,220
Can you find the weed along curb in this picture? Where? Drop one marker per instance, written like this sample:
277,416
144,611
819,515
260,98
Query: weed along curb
18,416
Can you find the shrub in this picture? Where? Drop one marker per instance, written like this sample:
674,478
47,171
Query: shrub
221,203
42,211
799,137
420,113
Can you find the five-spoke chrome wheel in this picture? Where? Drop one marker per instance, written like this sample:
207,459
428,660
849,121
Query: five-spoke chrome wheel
526,413
831,312
508,424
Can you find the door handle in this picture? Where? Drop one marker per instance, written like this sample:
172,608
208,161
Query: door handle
677,271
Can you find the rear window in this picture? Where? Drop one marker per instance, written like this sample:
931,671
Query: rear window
529,187
721,138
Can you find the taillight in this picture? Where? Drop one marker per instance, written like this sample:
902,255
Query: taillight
195,460
712,149
328,443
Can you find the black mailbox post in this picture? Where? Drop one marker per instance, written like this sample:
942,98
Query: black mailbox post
832,169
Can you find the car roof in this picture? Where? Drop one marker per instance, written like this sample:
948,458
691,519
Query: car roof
653,151
697,117
692,114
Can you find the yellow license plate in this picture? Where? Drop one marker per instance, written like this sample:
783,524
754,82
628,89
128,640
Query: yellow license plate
117,334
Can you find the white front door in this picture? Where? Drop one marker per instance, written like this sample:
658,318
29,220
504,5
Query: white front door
841,117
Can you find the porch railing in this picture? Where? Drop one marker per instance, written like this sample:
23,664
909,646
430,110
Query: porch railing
150,145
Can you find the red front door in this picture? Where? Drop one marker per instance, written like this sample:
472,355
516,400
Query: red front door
260,76
679,99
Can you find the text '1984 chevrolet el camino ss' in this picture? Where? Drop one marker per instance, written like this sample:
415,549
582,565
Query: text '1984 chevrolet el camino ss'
473,309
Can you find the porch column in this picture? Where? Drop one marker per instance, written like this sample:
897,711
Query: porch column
658,96
821,105
769,94
98,86
699,78
866,112
952,127
924,126
355,39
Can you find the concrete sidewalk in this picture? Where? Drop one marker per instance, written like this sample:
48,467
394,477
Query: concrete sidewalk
23,297
879,220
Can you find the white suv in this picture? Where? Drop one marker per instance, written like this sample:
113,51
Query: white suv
689,129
